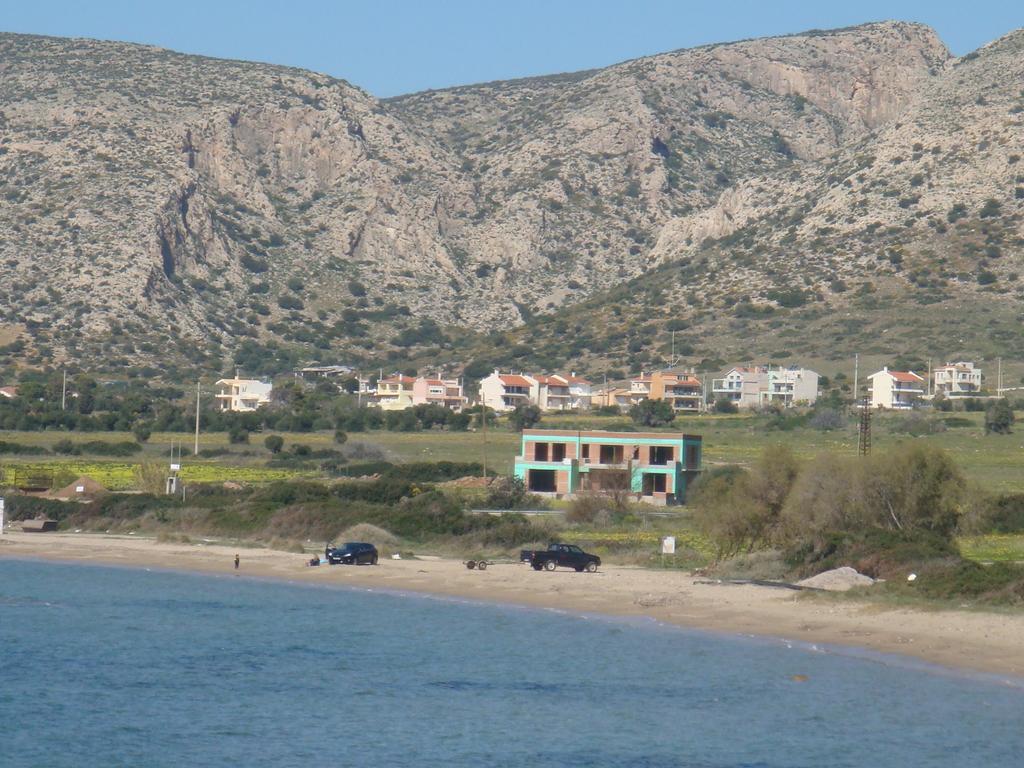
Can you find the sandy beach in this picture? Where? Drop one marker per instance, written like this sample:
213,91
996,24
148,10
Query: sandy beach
979,641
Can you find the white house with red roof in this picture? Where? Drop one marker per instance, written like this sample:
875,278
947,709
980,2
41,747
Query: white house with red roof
504,392
9,392
896,390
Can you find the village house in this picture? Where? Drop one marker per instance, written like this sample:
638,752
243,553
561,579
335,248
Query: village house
394,393
437,391
760,386
557,392
502,392
896,390
683,391
609,396
9,392
956,380
242,395
654,467
311,372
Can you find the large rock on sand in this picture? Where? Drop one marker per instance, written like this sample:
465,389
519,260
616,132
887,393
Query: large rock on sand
837,580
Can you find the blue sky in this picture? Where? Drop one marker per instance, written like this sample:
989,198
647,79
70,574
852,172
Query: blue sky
401,46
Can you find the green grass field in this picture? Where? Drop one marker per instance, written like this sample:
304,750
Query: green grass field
995,462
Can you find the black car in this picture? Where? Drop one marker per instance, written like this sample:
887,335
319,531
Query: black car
352,553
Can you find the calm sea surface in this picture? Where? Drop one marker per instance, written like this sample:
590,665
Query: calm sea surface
111,667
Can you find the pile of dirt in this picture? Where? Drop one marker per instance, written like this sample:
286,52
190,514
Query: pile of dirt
370,534
84,488
837,580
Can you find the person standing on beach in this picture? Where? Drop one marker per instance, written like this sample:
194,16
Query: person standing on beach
236,562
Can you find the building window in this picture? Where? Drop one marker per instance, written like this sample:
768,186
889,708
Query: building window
540,451
585,452
661,455
558,452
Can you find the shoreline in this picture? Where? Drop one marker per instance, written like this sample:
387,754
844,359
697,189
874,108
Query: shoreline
986,642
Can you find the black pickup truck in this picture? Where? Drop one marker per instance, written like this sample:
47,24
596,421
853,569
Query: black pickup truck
565,555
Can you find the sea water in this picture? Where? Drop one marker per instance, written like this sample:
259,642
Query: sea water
115,667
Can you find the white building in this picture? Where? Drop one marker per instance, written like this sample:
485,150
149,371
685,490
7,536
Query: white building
791,386
504,392
742,386
957,380
759,386
896,390
242,394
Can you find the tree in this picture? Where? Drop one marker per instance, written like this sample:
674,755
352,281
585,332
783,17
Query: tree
340,436
652,413
142,431
524,417
274,443
238,434
999,417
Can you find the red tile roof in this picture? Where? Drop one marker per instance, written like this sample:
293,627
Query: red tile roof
515,381
905,376
573,379
398,380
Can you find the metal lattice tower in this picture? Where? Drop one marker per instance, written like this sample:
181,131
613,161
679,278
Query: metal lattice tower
864,445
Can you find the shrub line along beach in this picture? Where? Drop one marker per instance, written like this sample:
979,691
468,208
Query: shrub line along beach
984,641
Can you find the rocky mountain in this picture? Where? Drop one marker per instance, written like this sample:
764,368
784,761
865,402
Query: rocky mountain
162,207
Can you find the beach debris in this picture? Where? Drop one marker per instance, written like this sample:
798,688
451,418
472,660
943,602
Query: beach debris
799,678
396,556
912,577
838,580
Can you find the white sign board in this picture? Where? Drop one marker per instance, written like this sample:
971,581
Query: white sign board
175,467
79,489
668,545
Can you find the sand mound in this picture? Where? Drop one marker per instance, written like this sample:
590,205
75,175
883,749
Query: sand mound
82,488
370,534
837,580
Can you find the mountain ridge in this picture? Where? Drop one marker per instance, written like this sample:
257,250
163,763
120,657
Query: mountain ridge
225,208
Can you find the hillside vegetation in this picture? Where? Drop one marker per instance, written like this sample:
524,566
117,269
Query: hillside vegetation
803,195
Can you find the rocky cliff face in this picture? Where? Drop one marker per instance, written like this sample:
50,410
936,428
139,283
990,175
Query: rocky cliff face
157,205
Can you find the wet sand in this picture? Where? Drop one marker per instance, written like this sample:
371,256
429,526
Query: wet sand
991,642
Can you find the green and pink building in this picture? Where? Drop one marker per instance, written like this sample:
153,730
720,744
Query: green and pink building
656,467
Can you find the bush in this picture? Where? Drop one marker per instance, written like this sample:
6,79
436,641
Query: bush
725,405
827,419
511,493
238,435
274,443
999,417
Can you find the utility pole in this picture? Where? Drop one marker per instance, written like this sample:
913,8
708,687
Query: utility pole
999,378
196,453
64,391
856,373
483,416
